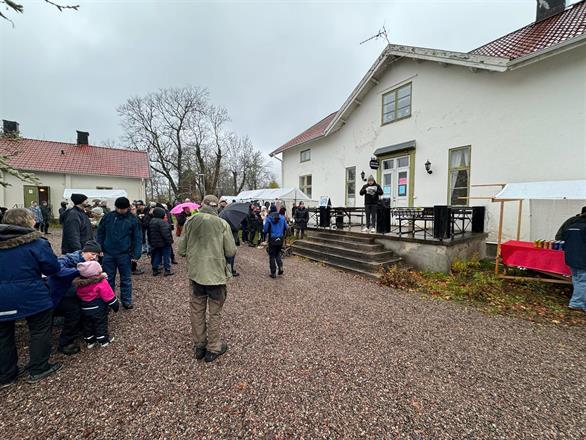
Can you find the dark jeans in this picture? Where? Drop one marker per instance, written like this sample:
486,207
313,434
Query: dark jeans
120,263
275,257
70,309
39,327
95,320
370,216
159,255
45,226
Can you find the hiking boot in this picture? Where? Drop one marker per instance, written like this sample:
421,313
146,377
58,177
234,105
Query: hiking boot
168,273
200,353
70,349
174,261
280,271
127,306
273,275
211,356
53,368
156,272
235,274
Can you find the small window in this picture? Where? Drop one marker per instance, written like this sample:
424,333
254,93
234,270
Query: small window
104,187
388,164
351,186
305,185
305,155
459,176
403,162
397,104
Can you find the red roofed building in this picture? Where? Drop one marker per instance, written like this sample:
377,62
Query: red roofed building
437,122
62,166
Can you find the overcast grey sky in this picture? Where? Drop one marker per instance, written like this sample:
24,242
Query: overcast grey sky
277,67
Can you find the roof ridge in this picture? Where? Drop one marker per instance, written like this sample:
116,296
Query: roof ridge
567,8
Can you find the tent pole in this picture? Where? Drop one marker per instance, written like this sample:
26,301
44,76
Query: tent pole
519,219
499,239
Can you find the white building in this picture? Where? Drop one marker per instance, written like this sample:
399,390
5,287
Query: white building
60,166
512,110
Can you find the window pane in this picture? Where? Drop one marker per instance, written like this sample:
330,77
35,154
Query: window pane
460,158
461,178
351,188
387,179
389,117
456,196
403,162
387,164
351,174
389,108
308,180
388,98
404,102
404,91
404,112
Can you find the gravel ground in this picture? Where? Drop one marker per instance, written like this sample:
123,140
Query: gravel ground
316,354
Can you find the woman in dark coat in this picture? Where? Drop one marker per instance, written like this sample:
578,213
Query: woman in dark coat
24,258
301,219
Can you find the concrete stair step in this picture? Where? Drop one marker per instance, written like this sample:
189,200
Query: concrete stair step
367,247
355,237
350,262
375,253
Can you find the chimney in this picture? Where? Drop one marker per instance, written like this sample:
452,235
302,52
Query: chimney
82,137
10,127
547,8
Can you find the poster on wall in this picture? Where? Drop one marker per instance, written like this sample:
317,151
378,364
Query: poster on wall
324,201
402,190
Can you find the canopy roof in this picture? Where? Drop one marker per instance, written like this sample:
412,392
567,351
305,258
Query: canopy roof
273,193
551,190
96,193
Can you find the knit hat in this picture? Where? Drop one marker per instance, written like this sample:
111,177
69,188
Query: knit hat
371,177
158,213
92,246
210,200
97,211
78,199
122,203
273,208
89,269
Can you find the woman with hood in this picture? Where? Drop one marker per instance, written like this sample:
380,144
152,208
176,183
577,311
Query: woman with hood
371,192
25,256
275,227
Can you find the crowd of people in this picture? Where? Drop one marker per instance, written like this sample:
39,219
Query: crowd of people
77,289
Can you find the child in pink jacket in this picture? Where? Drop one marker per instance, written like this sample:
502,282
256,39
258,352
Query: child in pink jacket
96,296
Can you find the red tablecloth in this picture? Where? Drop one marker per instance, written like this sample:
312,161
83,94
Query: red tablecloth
524,254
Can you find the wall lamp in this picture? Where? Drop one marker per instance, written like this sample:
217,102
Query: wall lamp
428,167
362,174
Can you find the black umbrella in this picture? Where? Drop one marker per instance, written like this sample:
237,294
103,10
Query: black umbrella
235,213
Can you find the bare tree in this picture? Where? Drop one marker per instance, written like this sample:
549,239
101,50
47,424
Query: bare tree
259,174
237,163
8,152
12,6
162,124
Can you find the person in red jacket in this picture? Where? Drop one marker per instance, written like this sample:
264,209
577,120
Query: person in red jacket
96,296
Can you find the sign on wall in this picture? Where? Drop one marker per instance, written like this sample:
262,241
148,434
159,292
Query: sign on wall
373,164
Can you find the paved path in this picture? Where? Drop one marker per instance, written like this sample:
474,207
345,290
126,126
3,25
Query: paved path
316,354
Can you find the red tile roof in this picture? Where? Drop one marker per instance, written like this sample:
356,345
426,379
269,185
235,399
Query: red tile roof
311,133
536,36
61,157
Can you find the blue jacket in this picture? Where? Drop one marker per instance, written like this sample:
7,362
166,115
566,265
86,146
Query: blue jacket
60,283
277,225
575,245
120,234
24,256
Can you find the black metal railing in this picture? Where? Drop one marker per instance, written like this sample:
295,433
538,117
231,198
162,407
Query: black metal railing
438,222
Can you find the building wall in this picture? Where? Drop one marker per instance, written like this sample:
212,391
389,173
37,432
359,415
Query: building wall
13,195
523,125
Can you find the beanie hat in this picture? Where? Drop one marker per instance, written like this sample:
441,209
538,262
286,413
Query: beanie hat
97,211
92,246
273,208
78,199
371,177
210,200
89,269
122,203
158,213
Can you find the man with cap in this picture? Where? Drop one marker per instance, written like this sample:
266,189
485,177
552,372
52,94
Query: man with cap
64,297
120,236
207,242
77,228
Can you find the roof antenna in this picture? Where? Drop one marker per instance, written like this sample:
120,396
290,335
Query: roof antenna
382,33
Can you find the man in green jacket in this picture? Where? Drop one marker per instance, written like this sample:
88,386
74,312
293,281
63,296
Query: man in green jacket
206,241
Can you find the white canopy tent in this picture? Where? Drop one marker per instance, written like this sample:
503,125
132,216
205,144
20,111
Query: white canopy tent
553,190
101,194
294,195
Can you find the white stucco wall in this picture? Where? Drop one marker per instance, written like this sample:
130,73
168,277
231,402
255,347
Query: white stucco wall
14,195
523,125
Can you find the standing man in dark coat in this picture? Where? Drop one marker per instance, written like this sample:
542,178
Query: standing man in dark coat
120,237
574,236
160,242
77,229
301,217
46,213
371,192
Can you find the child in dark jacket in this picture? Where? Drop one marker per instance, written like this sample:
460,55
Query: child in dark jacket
96,296
160,241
